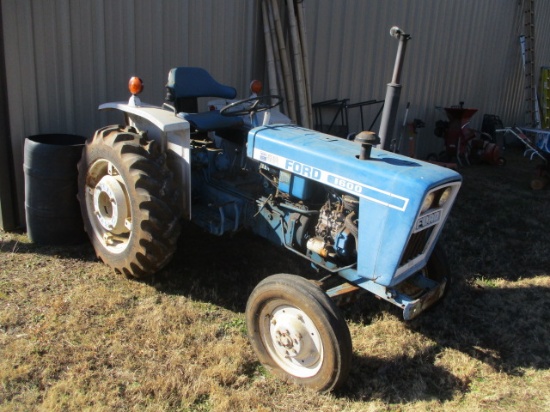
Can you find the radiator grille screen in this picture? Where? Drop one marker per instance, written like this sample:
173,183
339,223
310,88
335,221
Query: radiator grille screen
416,245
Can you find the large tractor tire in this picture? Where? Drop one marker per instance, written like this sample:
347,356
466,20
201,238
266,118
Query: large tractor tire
128,201
298,332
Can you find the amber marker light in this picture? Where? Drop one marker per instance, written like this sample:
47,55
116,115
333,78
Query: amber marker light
256,86
135,85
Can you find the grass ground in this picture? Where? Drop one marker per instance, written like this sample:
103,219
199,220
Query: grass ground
74,336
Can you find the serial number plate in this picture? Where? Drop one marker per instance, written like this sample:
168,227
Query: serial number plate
427,220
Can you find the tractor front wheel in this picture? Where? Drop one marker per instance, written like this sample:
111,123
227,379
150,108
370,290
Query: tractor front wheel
298,332
127,201
438,268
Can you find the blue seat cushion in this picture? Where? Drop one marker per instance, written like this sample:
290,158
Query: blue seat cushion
212,120
197,82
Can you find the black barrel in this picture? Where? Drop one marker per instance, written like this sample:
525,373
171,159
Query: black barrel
51,206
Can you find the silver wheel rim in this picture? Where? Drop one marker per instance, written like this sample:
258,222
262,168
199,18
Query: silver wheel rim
292,340
108,206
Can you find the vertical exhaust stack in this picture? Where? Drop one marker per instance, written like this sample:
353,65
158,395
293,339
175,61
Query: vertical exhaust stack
393,91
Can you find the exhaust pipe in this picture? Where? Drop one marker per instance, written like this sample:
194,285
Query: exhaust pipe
393,92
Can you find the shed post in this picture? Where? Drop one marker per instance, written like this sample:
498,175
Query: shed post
7,210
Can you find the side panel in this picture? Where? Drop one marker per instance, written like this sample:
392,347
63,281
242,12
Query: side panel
179,162
375,260
394,245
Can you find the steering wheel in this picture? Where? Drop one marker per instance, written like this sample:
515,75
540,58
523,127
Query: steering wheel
251,105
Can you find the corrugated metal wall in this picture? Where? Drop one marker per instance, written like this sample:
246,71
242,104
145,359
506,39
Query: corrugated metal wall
64,57
461,50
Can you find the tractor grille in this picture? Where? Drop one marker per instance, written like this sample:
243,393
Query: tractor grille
416,245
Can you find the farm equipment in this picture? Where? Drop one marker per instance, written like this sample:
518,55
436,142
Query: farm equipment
462,143
364,217
537,147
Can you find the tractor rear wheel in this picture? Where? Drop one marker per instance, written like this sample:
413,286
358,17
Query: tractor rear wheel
127,201
298,332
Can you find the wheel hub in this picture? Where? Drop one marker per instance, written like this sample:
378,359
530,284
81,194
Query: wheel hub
110,206
295,338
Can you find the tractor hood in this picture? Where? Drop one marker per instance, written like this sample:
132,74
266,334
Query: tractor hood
397,235
335,161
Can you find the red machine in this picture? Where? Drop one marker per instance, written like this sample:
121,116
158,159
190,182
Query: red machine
463,144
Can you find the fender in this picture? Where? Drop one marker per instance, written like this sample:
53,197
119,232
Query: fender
172,133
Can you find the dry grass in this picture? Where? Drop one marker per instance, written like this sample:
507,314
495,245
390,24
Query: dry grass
74,336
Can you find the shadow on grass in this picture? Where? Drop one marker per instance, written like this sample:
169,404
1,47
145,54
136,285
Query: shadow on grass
402,379
82,250
499,226
224,270
504,328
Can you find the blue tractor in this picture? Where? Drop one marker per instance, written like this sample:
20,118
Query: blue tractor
361,215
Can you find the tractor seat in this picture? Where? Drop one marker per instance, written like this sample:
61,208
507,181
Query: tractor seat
212,120
185,85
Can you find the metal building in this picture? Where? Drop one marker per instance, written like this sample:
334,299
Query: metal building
60,59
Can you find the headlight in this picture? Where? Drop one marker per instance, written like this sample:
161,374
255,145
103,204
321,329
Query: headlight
427,202
444,197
